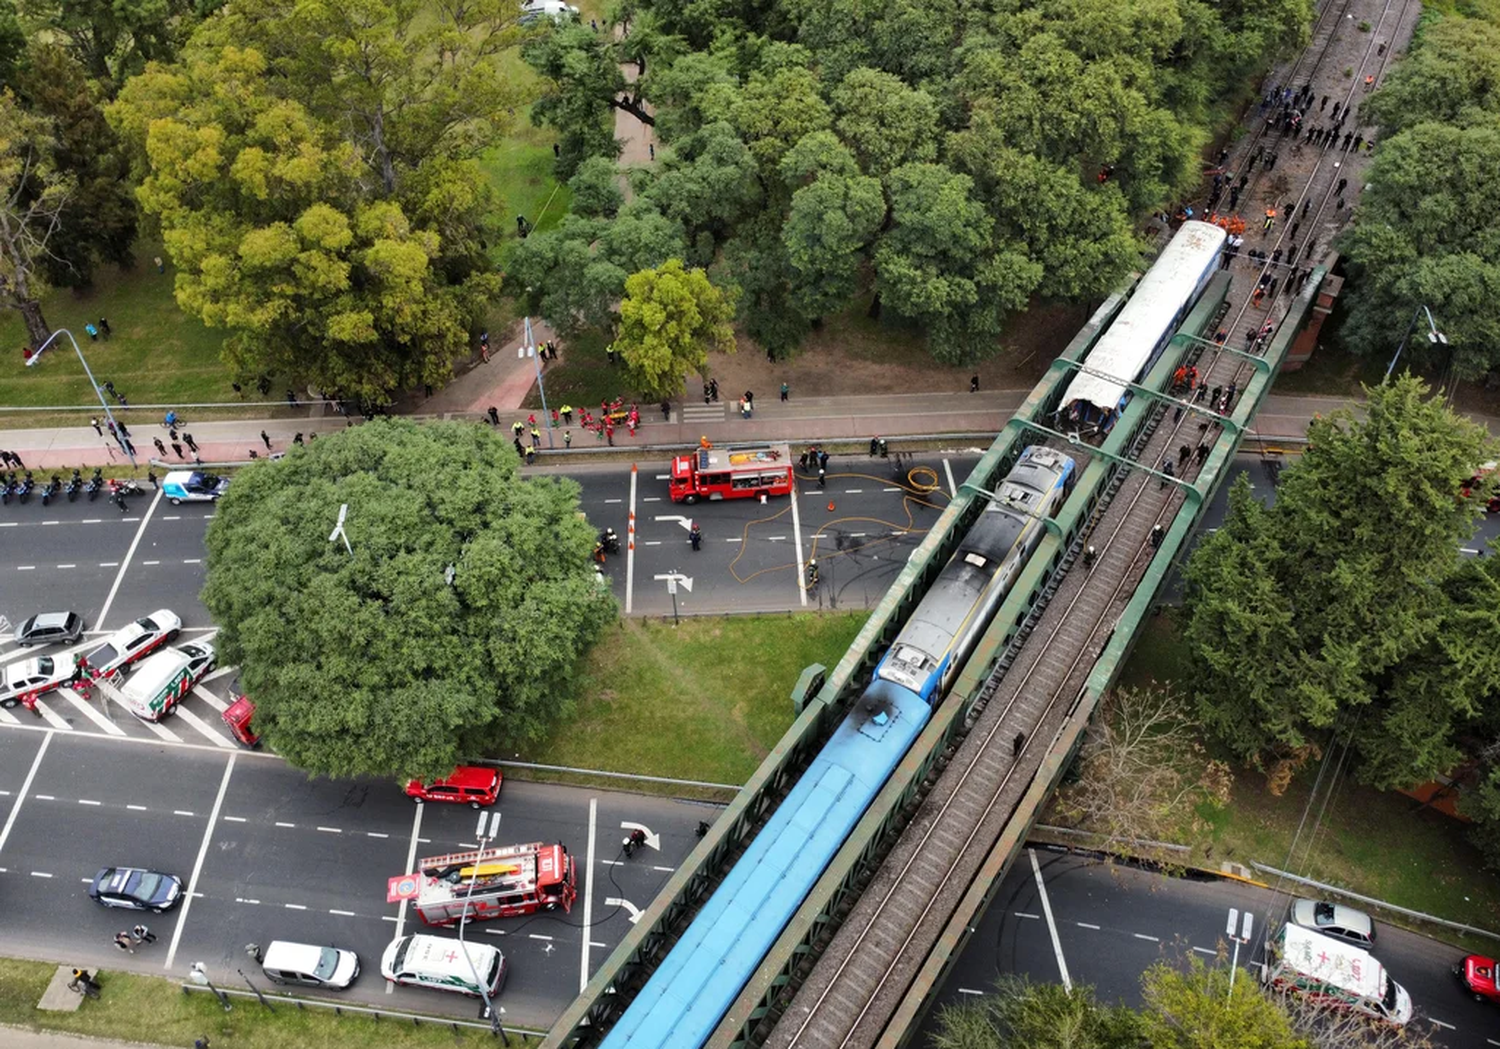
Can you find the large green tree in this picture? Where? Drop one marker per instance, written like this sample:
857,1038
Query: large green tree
114,39
454,626
670,319
34,194
1038,1016
313,169
1334,610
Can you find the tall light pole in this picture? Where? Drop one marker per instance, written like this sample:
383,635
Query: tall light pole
1433,336
496,1026
115,429
536,359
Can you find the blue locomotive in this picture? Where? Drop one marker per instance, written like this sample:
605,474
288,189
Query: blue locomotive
696,983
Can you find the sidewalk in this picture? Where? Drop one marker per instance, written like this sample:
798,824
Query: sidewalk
801,419
21,1038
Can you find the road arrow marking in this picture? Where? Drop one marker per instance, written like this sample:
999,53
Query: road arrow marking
686,581
615,901
687,525
653,840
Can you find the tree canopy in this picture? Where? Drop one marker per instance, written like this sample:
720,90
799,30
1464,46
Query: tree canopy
1426,233
1345,609
670,318
375,663
940,157
313,171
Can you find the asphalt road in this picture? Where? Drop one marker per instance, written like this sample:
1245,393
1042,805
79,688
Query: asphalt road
1066,918
269,854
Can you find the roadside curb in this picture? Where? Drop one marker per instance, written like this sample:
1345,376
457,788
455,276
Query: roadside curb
1156,864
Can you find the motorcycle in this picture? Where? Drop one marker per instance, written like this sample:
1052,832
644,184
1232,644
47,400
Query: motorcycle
50,490
75,485
9,488
125,487
27,484
95,483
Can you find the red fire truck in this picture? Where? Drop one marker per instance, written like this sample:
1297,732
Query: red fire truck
500,882
734,472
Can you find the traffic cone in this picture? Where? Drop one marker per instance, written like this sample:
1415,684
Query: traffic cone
830,506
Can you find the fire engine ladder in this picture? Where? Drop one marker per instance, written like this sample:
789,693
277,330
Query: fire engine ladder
513,854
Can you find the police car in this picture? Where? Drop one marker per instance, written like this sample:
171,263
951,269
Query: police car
130,643
193,486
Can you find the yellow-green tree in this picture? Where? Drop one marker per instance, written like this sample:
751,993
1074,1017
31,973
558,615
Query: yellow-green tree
669,320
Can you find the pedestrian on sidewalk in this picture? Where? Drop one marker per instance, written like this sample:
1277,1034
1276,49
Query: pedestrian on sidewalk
161,449
122,941
494,414
291,398
97,428
187,439
143,934
713,389
652,147
518,428
129,448
609,354
567,438
974,384
520,449
785,391
176,448
666,410
266,439
609,433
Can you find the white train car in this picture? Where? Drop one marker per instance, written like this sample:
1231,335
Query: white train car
1143,328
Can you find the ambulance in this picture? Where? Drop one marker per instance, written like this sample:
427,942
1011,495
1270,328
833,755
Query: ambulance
501,882
1329,972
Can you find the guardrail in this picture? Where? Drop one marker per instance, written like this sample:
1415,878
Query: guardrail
1373,902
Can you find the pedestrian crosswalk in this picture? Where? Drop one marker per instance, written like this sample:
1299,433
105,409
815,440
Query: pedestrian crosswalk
703,413
66,711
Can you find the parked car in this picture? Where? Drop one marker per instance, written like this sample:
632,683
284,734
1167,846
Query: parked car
33,677
50,628
1477,974
469,784
192,486
137,889
330,967
533,10
131,642
1334,919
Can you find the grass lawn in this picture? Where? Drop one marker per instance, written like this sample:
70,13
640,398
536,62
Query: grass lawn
706,700
1378,843
157,355
583,378
153,1009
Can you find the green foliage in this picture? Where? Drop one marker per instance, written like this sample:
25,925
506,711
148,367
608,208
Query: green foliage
318,189
886,123
373,664
1192,1008
1342,608
1038,1016
832,222
581,78
670,319
114,39
707,182
34,193
98,222
596,189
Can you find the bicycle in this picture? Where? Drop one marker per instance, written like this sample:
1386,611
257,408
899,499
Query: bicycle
85,986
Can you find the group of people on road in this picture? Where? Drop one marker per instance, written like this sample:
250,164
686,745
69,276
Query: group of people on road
139,936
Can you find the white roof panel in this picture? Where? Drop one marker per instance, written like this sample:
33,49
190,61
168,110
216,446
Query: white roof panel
1123,350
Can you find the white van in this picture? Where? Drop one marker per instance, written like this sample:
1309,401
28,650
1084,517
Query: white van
163,680
439,963
310,966
1329,972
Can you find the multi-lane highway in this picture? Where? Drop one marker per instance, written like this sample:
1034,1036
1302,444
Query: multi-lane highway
1073,919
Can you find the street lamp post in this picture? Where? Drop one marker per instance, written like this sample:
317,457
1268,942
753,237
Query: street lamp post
1433,336
495,1025
536,360
115,429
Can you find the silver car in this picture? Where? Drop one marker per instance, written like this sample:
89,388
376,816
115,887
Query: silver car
50,628
1334,919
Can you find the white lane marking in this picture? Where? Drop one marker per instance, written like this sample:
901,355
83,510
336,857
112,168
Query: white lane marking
598,943
40,874
411,860
120,575
211,699
150,562
952,488
1062,964
7,718
853,491
161,731
736,539
1086,925
137,808
1205,950
208,835
86,801
241,899
235,819
614,500
109,564
858,535
1438,1023
182,812
776,538
25,568
345,914
538,936
663,477
46,797
651,499
192,560
281,824
630,549
653,542
205,729
1143,936
331,830
375,834
295,906
86,708
797,534
67,566
588,895
174,517
51,717
893,488
668,870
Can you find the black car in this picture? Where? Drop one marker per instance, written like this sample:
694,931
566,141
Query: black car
137,889
50,628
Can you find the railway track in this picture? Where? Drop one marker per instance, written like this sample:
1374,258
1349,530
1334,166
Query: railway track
865,971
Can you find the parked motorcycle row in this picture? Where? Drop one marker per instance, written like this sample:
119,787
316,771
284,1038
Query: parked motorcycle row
21,488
